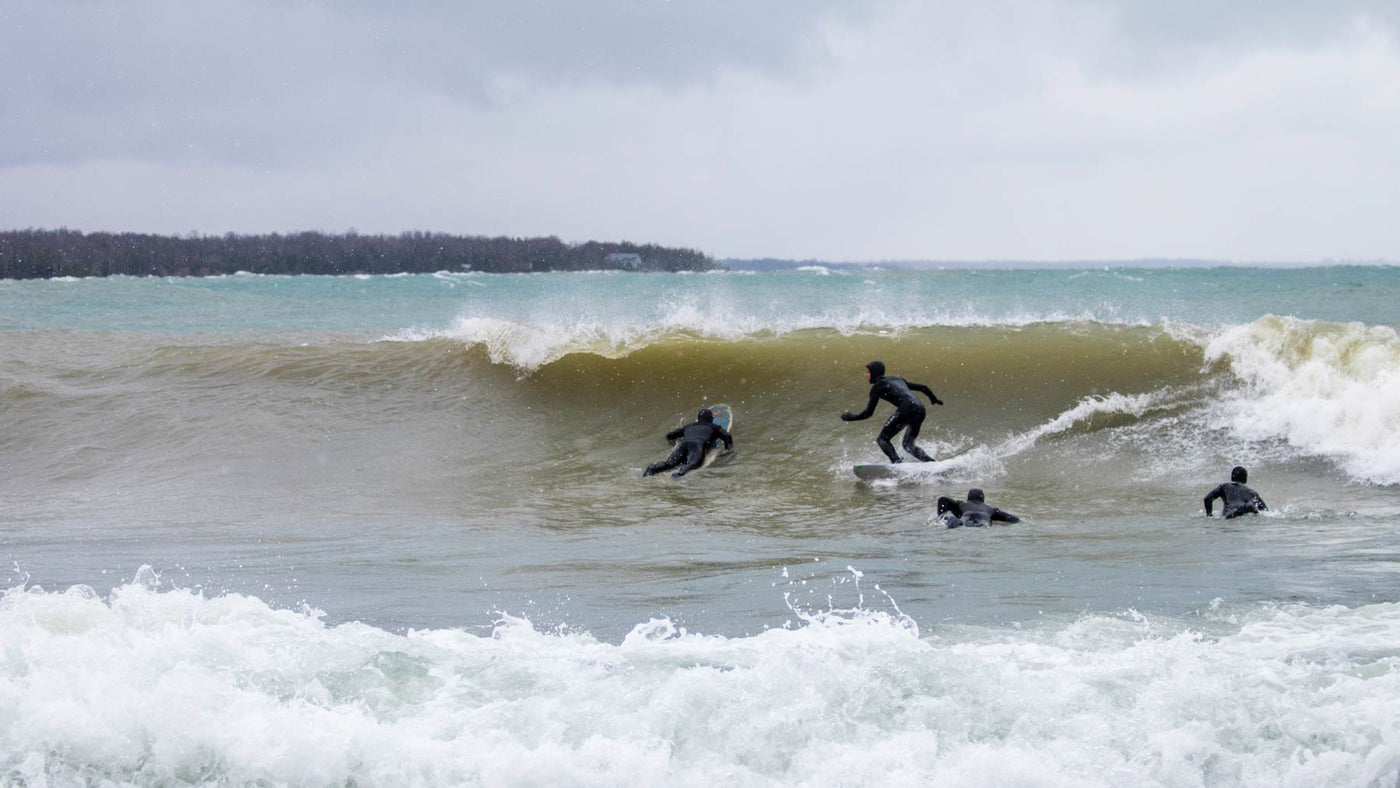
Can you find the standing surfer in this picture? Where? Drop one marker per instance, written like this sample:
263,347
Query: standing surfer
908,414
1236,497
695,439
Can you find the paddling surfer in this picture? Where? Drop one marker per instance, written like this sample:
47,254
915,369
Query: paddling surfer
1236,497
695,439
972,513
908,415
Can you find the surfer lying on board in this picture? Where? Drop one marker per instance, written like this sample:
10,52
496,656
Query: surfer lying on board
1236,497
695,439
972,513
908,414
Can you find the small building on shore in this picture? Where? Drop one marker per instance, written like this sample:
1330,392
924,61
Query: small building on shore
627,261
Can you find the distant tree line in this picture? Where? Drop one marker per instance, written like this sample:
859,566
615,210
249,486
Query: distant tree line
30,254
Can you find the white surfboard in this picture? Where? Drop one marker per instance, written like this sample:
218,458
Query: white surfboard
903,470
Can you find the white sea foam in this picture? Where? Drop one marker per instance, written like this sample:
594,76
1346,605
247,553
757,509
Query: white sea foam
1083,411
1331,389
156,686
986,460
529,346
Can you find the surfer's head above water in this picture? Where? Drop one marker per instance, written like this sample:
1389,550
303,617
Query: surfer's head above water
1239,474
875,369
975,494
705,415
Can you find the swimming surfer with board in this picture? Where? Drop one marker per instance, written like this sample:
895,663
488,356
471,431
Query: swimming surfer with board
975,512
695,439
908,414
1236,497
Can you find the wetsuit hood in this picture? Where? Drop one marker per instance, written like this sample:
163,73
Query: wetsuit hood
706,415
877,369
1239,474
976,495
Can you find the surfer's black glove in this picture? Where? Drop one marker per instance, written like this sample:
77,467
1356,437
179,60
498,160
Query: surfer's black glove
937,401
848,416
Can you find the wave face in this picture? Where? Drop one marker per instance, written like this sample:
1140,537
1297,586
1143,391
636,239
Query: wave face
276,392
150,686
144,411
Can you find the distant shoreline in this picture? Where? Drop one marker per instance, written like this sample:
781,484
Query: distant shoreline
49,254
62,253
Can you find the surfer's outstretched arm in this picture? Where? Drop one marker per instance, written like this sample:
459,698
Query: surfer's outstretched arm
927,391
1005,517
869,408
675,433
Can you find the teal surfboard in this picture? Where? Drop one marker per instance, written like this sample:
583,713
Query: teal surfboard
724,417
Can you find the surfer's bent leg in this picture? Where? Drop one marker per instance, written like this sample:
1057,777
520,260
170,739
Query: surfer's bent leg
916,420
895,424
677,456
695,456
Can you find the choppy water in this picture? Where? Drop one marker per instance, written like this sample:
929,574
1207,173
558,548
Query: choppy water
392,530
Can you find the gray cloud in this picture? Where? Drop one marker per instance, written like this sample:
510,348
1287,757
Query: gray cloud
1077,128
1289,23
258,81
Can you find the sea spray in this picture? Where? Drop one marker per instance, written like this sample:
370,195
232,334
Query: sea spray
1331,389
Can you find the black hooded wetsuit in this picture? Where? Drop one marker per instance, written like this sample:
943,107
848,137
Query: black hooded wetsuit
1237,498
695,439
972,513
909,411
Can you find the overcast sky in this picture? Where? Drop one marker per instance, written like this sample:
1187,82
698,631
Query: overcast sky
1264,131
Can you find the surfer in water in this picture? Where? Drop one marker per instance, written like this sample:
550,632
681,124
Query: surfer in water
908,414
695,439
1237,498
972,513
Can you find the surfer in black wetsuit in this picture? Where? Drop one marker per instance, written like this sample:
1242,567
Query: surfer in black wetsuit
908,414
1237,499
695,439
972,513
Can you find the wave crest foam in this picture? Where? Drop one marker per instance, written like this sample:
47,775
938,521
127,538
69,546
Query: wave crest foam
1331,389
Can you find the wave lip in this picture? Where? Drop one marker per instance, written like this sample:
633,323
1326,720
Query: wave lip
1331,389
530,343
